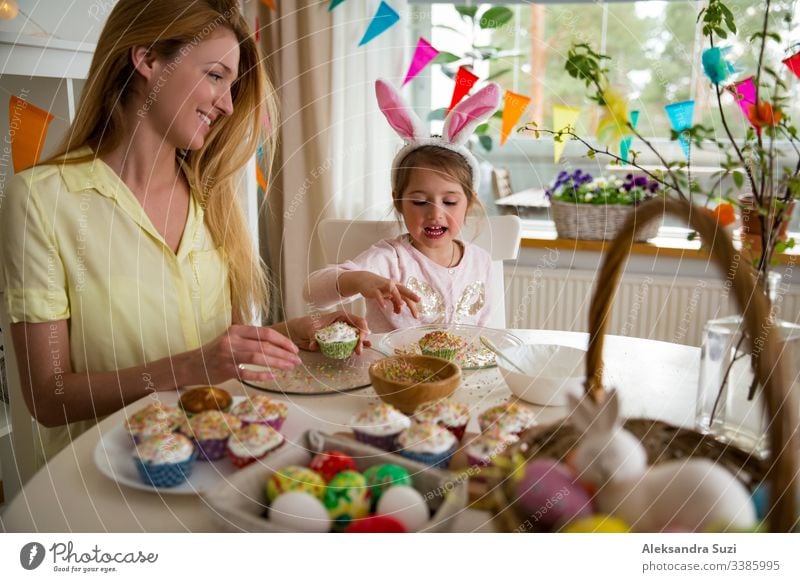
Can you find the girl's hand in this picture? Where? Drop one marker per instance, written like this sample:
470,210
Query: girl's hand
303,329
223,358
373,286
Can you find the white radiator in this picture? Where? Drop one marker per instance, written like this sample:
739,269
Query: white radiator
661,308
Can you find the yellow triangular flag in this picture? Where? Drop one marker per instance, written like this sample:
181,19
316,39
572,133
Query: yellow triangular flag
563,117
28,129
513,107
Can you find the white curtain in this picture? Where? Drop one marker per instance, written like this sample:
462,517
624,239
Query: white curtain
362,143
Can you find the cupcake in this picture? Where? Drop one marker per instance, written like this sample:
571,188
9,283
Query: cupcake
210,431
441,344
165,460
379,425
508,417
153,419
261,409
338,340
447,413
205,398
483,448
428,443
251,442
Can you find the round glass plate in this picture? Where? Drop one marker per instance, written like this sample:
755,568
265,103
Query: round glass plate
321,375
472,357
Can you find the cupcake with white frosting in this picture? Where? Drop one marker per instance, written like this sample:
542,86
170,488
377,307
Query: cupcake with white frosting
482,450
210,431
508,417
338,340
252,442
428,443
153,419
379,425
165,460
260,409
447,413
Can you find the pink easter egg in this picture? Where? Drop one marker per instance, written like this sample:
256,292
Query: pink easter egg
549,496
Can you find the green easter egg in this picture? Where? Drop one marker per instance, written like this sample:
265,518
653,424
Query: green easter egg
381,477
346,498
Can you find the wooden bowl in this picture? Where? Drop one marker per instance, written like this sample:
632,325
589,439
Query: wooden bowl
406,396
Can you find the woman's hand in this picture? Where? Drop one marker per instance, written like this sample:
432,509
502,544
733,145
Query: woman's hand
224,358
303,329
373,286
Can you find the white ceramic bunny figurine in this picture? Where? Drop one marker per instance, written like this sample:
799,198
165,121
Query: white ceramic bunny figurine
686,495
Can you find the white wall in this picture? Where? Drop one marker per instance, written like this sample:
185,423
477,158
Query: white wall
75,20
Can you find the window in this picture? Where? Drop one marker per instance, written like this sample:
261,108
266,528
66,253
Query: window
655,48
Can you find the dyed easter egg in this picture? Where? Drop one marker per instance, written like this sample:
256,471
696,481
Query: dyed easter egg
298,511
597,523
346,498
376,524
329,463
381,477
549,496
295,478
406,505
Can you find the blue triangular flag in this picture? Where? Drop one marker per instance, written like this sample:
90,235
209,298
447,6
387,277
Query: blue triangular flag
334,4
680,116
383,19
625,143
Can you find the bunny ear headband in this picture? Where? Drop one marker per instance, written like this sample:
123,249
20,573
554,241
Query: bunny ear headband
458,125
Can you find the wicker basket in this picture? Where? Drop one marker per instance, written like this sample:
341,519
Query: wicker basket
597,221
662,441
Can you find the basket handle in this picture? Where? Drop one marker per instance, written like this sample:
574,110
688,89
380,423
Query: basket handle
771,369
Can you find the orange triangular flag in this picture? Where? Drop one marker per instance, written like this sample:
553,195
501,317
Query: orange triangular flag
262,181
269,4
513,107
28,128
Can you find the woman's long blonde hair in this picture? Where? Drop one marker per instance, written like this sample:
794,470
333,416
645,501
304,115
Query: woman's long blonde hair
166,28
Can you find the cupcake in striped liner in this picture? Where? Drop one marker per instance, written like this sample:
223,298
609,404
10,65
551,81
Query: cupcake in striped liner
442,344
507,417
338,340
252,442
447,413
165,460
260,409
210,431
379,426
153,419
428,443
486,446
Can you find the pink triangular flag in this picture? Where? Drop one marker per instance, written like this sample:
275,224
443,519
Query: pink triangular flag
423,55
744,92
465,79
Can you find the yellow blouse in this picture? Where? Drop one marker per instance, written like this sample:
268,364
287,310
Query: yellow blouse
79,246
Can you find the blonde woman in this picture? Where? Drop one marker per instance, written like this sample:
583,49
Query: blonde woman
127,263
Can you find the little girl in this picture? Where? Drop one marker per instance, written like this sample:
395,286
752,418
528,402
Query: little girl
438,278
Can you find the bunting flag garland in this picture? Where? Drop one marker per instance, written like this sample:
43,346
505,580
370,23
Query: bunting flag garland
744,92
334,4
514,106
269,4
384,18
465,79
680,116
793,63
625,144
563,117
423,55
27,128
612,127
716,65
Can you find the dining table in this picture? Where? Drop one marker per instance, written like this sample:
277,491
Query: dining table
71,494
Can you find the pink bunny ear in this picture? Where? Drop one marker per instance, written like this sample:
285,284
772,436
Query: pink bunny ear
399,115
467,115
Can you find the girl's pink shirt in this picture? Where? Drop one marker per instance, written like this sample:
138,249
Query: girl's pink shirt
459,294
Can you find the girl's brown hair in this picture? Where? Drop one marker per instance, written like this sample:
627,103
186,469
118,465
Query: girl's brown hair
167,28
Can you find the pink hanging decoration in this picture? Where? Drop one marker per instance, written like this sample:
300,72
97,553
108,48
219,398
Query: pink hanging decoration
464,81
424,54
745,94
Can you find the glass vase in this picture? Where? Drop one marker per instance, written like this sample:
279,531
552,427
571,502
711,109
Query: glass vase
729,405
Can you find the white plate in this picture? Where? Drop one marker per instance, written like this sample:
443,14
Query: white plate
113,455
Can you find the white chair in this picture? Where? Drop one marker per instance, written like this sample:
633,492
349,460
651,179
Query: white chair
344,239
24,459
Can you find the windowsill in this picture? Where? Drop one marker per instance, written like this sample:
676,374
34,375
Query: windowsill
670,242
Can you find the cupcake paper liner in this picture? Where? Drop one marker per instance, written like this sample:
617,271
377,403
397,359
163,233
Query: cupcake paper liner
458,431
241,462
337,350
437,460
275,423
386,442
211,449
445,353
166,474
474,461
